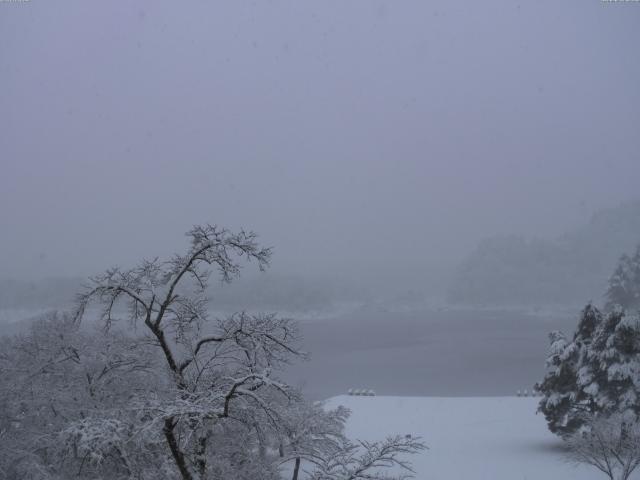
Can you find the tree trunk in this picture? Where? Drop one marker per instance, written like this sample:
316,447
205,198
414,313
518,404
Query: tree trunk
296,469
178,456
262,448
201,455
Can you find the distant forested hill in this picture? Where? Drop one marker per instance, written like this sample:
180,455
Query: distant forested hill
512,270
45,293
265,291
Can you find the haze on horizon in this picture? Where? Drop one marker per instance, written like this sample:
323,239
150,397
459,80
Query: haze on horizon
347,134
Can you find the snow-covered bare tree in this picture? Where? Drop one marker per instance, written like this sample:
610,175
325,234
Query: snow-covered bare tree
371,460
609,443
219,370
65,404
156,388
312,434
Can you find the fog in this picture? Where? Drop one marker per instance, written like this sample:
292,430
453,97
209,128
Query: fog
226,226
352,136
374,145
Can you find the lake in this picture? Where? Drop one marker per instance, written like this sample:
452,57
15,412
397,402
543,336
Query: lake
416,352
438,352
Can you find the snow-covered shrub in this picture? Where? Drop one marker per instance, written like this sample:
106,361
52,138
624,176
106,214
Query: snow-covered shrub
610,444
367,460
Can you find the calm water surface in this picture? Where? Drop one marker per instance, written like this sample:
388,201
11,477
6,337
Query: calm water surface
428,353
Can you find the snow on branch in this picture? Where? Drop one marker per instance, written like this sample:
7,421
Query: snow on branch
151,289
610,444
370,460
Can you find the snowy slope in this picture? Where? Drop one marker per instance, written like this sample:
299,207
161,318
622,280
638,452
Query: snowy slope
492,438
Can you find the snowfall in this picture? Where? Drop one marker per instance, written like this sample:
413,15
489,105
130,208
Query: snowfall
493,438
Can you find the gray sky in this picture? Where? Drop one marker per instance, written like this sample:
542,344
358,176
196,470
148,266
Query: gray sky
346,133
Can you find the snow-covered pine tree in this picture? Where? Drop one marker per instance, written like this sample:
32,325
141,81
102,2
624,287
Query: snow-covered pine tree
612,364
597,372
624,285
559,386
563,401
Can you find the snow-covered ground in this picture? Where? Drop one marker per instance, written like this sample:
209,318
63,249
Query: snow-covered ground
483,438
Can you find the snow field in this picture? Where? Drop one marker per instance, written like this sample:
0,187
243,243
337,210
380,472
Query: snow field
482,438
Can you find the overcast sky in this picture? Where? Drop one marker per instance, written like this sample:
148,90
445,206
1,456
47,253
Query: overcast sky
345,132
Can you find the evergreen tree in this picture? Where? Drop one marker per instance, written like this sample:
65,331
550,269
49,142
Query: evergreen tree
597,372
562,400
612,366
624,285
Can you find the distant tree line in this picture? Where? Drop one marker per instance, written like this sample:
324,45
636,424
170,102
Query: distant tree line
565,271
